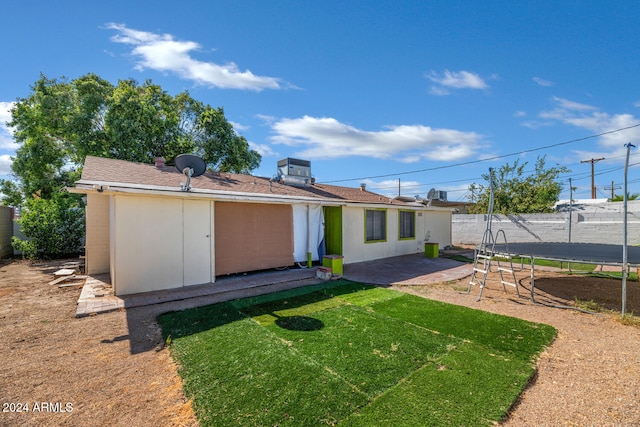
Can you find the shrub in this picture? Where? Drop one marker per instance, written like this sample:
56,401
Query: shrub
54,228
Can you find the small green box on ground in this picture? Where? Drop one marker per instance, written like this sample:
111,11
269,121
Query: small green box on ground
334,262
431,250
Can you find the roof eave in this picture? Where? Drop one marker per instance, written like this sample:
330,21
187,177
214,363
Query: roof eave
108,188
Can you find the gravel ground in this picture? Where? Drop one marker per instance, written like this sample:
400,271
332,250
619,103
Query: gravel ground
112,369
590,374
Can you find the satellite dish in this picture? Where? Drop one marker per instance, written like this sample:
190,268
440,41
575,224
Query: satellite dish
191,166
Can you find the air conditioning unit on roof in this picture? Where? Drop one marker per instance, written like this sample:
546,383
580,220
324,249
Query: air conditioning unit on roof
294,172
437,195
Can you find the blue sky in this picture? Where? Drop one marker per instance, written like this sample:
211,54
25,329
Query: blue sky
369,91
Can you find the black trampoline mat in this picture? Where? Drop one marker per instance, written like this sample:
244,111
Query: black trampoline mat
587,252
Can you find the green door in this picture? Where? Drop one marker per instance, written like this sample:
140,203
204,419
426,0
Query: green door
333,230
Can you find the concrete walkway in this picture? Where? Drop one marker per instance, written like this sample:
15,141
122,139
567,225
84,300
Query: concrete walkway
97,294
407,270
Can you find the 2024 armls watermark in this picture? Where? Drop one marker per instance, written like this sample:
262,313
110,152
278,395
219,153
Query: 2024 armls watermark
38,407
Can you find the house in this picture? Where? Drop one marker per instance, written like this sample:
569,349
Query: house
149,234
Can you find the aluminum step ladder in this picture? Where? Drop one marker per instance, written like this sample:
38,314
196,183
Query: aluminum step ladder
506,256
484,255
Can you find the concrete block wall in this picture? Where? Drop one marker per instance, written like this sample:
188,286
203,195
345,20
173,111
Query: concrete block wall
592,224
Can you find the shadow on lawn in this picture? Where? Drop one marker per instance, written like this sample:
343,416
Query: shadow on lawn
195,320
300,323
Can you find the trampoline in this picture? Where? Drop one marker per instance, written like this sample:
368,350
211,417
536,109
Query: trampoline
623,255
588,253
584,253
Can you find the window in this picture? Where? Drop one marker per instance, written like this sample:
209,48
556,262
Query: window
375,225
407,225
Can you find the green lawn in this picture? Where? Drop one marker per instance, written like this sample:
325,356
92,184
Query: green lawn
349,354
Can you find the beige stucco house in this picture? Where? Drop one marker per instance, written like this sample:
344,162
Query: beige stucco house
150,235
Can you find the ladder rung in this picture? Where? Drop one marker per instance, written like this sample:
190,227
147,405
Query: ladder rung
505,269
480,270
509,283
484,256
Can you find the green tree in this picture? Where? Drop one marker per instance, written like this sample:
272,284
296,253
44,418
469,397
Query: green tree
620,197
221,146
39,129
515,192
11,195
61,122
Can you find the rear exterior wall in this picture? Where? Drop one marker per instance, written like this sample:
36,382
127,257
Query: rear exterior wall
434,226
98,230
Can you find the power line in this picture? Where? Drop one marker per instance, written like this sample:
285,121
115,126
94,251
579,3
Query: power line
576,176
487,159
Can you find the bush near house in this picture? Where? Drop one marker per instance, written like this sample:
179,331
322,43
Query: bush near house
55,228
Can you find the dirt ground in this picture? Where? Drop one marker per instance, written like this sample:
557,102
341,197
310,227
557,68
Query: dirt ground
112,369
91,371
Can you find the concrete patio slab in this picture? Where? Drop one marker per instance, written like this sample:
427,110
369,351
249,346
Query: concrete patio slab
413,269
97,294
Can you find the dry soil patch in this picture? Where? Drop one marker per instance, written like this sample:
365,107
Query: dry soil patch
111,369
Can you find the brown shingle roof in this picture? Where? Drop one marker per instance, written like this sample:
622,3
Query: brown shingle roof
98,169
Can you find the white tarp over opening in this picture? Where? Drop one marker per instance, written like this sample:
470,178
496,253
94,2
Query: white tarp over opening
308,232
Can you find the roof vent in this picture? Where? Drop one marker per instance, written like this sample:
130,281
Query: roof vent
159,162
294,172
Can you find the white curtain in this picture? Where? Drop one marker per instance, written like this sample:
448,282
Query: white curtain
308,231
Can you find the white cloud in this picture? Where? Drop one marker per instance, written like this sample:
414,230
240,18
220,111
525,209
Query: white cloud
439,91
239,127
6,133
326,138
5,164
455,80
519,114
542,82
267,119
162,52
5,113
572,105
264,149
597,122
536,124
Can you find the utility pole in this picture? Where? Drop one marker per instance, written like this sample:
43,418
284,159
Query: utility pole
613,187
593,185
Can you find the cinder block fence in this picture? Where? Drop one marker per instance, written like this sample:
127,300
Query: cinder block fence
589,224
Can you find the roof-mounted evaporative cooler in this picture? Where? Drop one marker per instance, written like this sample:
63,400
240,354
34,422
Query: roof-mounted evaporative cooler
294,172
